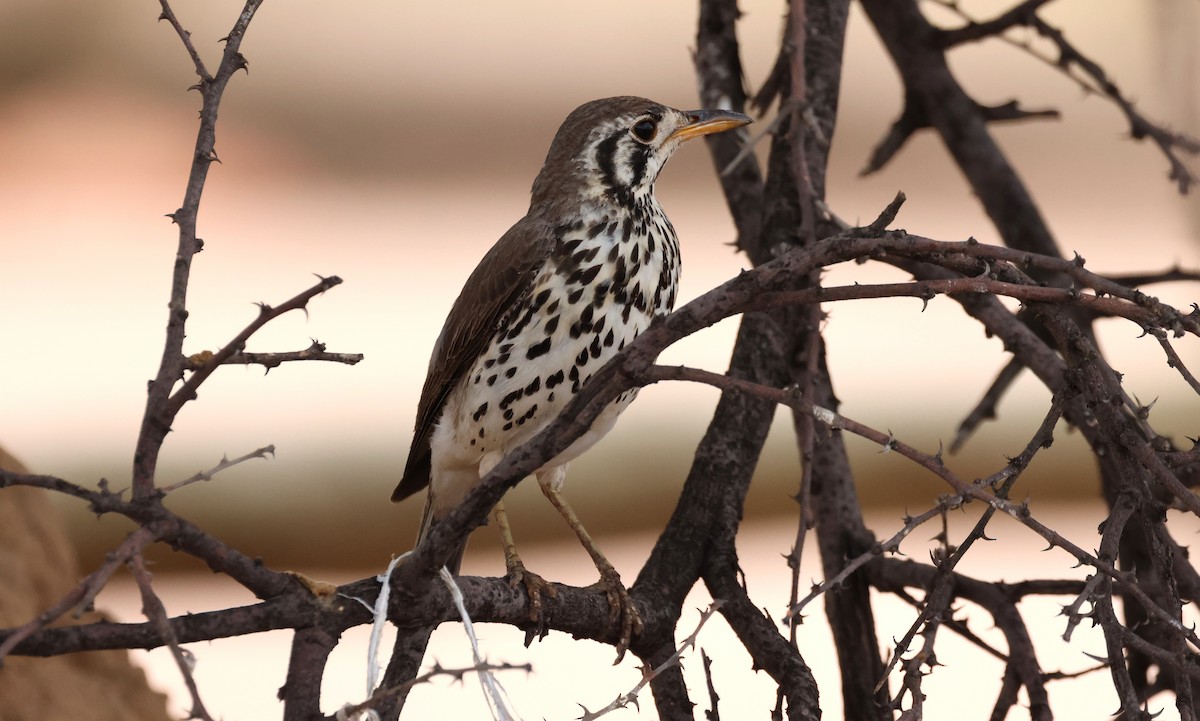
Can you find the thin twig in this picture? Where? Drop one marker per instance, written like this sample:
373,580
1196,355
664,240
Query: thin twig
266,314
82,594
186,37
1094,79
806,438
985,409
1171,275
315,352
1139,126
1072,610
649,675
1107,617
224,464
891,545
152,606
1018,511
798,27
458,674
1173,359
979,29
713,713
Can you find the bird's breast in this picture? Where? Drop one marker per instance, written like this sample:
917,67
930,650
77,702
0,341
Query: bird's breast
609,275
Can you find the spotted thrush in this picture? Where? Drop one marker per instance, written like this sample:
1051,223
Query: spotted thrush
591,264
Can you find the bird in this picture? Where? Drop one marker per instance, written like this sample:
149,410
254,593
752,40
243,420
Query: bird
588,268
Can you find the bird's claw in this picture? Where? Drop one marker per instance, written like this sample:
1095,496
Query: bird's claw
621,609
535,587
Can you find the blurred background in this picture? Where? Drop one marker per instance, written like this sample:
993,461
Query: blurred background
391,144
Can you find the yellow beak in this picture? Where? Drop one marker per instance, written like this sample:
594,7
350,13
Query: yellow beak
705,122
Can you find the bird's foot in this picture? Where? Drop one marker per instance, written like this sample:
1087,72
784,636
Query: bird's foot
535,587
621,608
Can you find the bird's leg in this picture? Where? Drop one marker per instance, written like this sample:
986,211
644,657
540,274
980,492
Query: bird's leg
619,601
518,575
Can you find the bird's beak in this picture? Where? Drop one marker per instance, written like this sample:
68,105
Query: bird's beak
704,122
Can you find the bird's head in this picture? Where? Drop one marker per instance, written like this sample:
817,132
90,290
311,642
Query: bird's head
614,148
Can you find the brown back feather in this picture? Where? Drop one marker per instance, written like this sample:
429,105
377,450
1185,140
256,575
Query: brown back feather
497,285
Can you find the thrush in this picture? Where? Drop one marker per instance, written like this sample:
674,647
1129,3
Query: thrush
588,268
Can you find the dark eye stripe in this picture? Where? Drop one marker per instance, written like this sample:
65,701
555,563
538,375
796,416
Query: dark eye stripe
638,159
606,160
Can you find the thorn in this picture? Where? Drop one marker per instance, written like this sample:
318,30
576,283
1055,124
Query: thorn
890,444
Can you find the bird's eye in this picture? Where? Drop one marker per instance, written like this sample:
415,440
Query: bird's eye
645,130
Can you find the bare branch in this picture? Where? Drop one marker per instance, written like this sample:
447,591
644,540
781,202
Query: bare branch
315,352
1094,79
713,713
1137,280
156,421
986,408
83,593
1139,126
186,37
649,675
1173,359
438,671
153,608
225,463
976,30
266,314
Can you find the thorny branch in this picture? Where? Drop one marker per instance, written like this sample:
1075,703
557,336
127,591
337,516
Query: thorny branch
315,352
763,287
224,464
1091,77
436,671
631,697
746,291
156,422
153,607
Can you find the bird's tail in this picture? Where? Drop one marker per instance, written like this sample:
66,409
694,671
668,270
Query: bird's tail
454,563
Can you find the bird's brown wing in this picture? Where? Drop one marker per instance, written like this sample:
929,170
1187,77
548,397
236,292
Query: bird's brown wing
498,283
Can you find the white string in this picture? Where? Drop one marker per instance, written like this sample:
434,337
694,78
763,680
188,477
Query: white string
493,692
